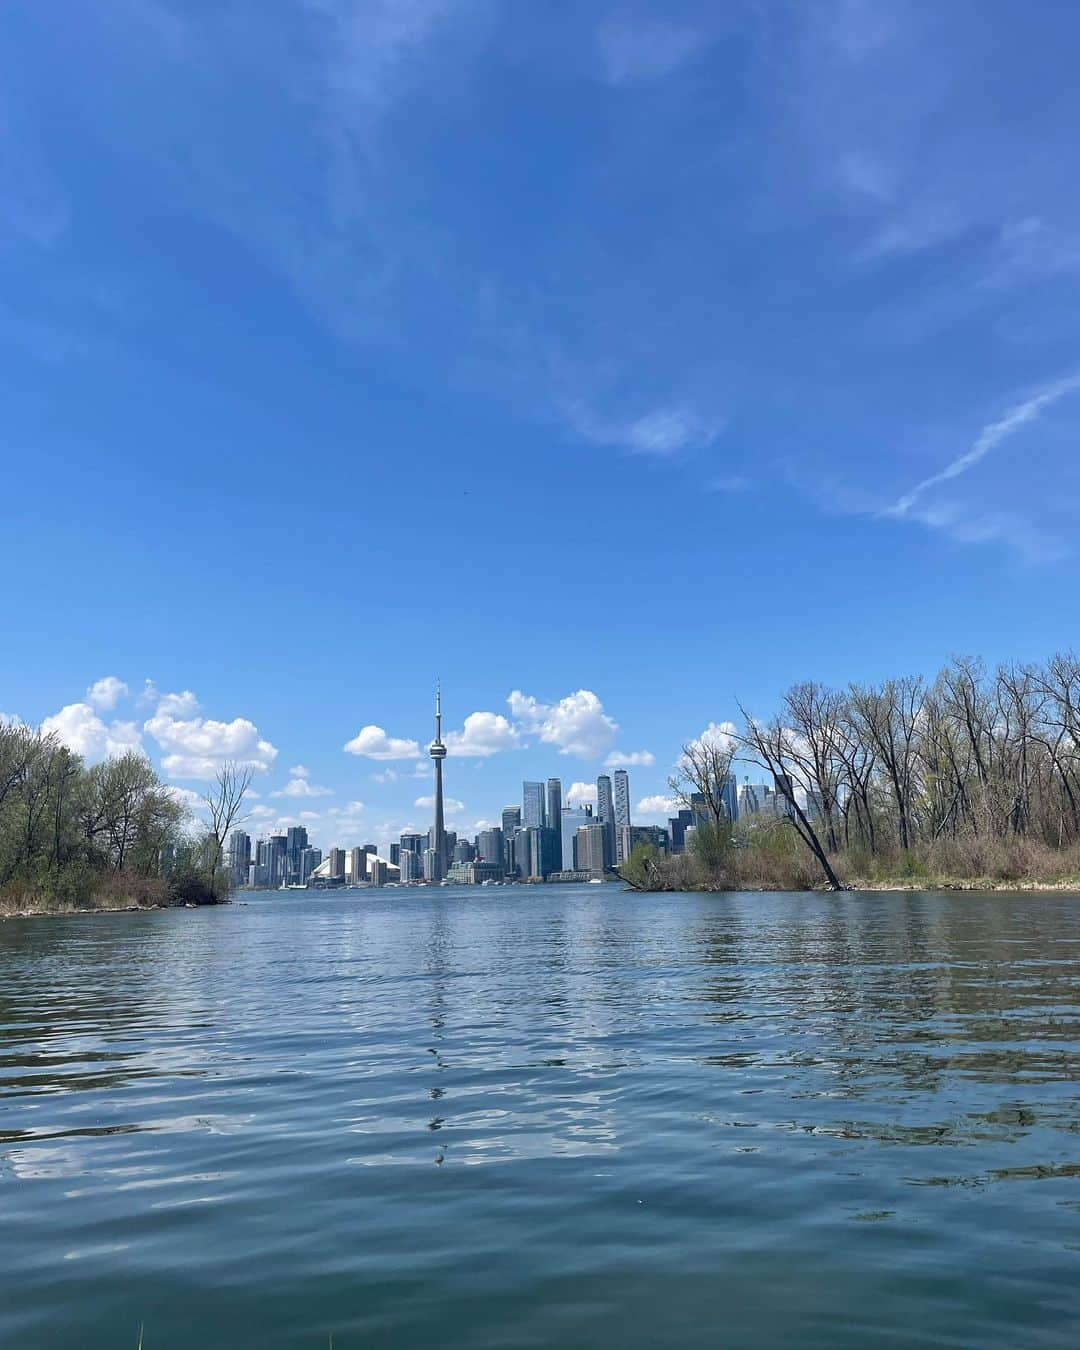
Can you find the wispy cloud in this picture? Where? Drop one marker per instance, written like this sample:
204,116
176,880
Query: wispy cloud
635,51
990,437
663,431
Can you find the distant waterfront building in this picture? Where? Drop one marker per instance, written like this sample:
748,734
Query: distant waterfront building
296,840
511,823
537,851
411,865
413,843
464,851
605,811
239,856
377,871
432,865
622,816
276,857
473,873
310,858
336,870
655,835
573,818
489,847
677,827
729,794
593,852
785,794
357,868
554,817
395,855
532,800
756,799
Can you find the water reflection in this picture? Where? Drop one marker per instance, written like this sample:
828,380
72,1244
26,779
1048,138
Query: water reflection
333,1078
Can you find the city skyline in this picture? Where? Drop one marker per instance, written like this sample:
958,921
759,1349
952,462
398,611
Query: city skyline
763,297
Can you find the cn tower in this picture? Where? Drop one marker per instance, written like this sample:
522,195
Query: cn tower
438,753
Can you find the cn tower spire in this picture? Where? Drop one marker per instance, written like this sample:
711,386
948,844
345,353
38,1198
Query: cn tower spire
438,753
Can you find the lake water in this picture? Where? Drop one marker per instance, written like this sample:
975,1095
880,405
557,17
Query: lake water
543,1117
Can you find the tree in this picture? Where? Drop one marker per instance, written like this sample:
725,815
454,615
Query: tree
772,747
703,771
224,803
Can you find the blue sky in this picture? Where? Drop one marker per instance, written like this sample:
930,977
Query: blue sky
632,357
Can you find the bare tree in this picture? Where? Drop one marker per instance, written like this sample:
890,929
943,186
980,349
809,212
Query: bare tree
703,771
224,804
771,747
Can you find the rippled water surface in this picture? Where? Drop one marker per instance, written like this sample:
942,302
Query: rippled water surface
543,1117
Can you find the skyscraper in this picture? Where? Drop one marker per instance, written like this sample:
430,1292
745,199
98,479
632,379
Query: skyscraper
605,812
489,847
592,849
511,823
622,816
239,856
554,817
296,840
532,799
573,818
275,860
438,753
729,793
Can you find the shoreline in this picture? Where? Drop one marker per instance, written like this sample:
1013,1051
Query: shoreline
70,911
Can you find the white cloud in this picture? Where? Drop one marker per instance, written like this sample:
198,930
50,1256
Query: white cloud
353,808
577,794
373,743
300,787
80,728
483,734
635,50
197,747
299,771
106,693
718,734
656,808
577,724
185,796
183,705
451,805
628,759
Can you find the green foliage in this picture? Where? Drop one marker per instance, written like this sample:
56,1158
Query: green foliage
640,866
73,836
189,886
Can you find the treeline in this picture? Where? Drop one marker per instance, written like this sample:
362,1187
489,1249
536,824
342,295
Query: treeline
106,835
973,775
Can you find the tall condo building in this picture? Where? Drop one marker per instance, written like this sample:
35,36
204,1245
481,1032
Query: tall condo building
554,817
239,856
605,812
511,823
622,816
438,753
296,840
533,811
